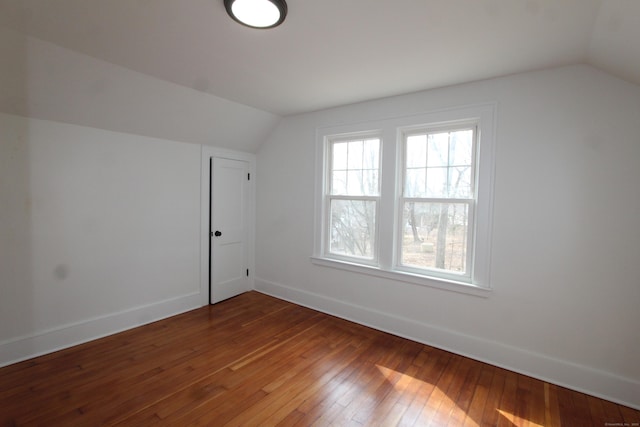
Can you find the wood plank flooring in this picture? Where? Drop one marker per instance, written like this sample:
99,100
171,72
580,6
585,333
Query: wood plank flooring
255,360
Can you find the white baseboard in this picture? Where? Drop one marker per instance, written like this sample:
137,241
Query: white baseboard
560,372
66,336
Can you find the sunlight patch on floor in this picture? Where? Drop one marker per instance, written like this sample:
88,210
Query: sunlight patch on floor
402,381
517,420
399,380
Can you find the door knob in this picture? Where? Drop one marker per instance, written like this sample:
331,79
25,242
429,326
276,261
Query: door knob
217,233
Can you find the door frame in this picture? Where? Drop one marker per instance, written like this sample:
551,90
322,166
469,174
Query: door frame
207,153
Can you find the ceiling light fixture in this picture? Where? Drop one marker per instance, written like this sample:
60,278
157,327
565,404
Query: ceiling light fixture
257,13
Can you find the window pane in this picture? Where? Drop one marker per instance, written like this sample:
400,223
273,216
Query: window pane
339,161
434,236
354,182
370,182
370,158
438,152
460,182
355,155
339,182
437,182
352,228
415,183
416,151
461,148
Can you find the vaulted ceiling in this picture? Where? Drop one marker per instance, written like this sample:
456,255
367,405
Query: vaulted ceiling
334,52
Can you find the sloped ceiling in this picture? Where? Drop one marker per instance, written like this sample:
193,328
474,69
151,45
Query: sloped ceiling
333,52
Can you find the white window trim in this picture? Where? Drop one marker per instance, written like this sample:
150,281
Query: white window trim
390,131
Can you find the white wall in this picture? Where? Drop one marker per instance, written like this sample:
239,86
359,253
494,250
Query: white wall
99,203
99,232
565,262
41,80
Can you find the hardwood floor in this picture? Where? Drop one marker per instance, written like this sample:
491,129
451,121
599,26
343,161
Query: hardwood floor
254,360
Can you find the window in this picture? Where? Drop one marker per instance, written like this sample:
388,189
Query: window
353,197
409,198
438,200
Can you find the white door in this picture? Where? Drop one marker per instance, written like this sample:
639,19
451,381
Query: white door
228,232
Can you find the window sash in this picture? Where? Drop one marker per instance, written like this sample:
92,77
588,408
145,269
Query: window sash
349,170
434,130
467,274
374,235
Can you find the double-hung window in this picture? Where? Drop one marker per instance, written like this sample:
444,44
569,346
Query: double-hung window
409,198
353,197
437,201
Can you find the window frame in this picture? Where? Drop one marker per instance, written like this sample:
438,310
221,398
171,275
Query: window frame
329,197
404,133
391,181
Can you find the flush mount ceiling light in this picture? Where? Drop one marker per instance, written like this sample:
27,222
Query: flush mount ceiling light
257,13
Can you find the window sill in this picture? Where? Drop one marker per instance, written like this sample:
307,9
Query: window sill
415,279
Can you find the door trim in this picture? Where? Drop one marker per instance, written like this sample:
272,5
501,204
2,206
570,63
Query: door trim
207,153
